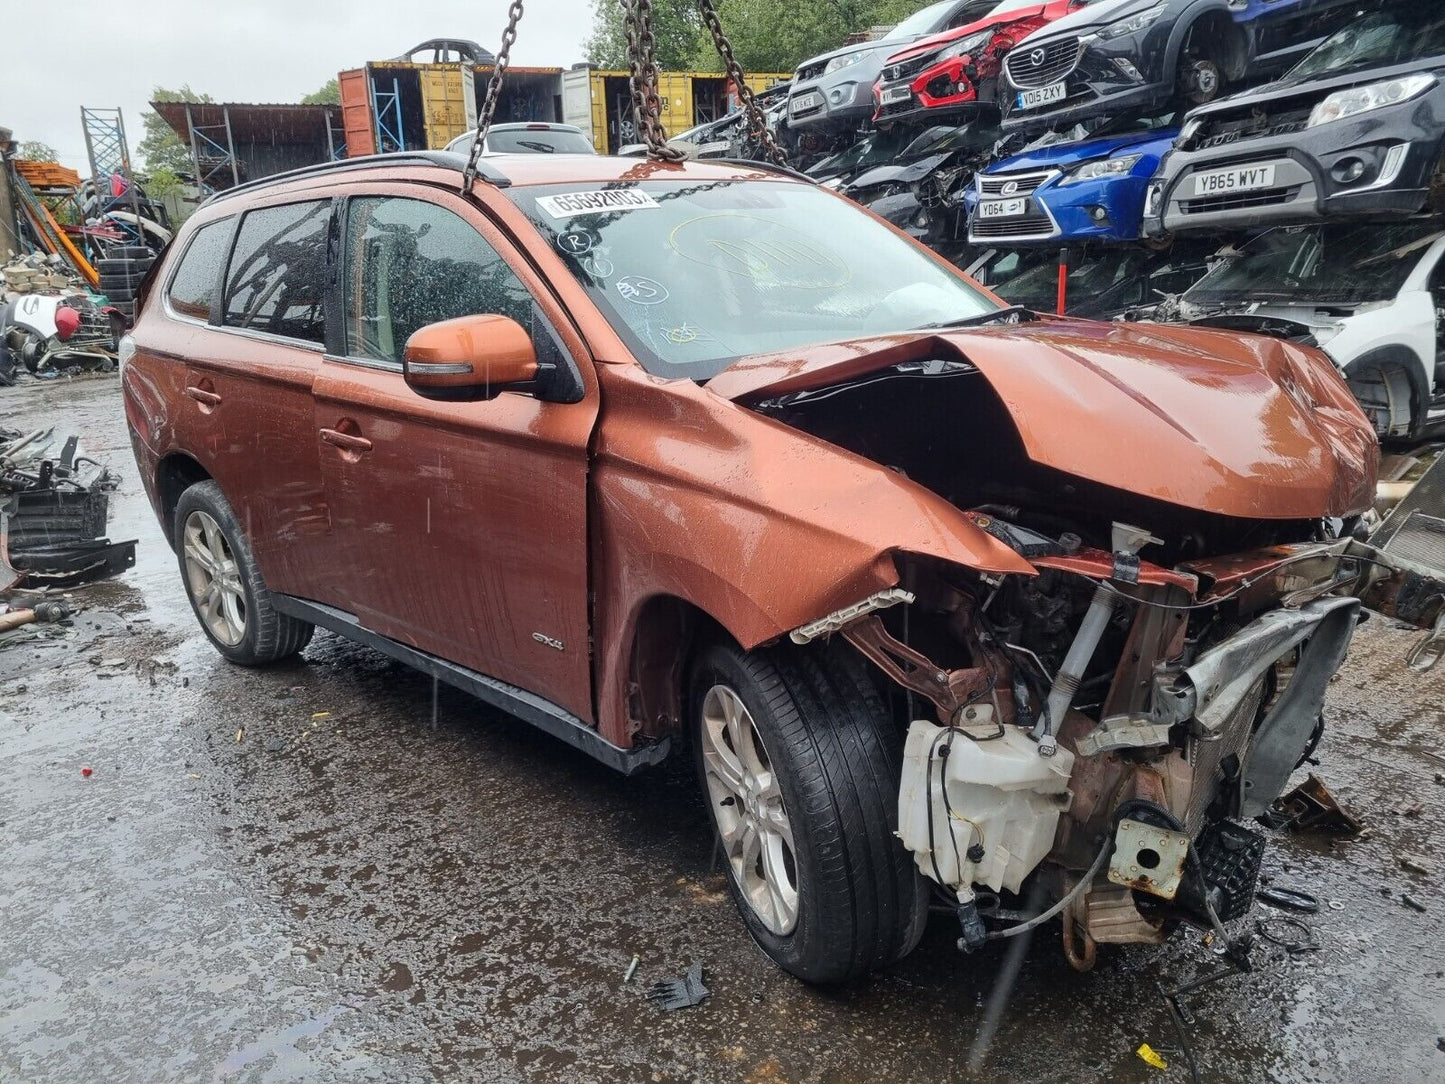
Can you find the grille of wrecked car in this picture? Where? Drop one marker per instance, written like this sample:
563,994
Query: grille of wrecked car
1270,119
1030,68
1234,202
907,69
1022,183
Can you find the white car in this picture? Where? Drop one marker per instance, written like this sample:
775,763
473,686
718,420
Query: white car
527,137
1370,295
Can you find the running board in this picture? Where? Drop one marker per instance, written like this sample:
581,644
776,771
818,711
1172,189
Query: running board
530,708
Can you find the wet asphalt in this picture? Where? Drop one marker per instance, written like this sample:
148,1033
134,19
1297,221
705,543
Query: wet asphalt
319,872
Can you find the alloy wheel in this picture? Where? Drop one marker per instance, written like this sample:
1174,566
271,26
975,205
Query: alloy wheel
214,578
747,807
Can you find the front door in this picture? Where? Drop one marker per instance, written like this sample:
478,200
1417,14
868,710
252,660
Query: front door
458,527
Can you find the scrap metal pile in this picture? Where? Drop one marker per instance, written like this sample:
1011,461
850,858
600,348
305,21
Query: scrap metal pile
54,507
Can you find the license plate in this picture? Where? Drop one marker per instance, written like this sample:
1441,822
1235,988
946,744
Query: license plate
896,94
1001,208
1032,99
1240,179
805,101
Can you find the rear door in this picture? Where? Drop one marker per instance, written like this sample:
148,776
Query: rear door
458,527
250,351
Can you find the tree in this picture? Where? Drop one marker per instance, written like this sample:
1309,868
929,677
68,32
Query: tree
328,94
161,148
676,30
35,151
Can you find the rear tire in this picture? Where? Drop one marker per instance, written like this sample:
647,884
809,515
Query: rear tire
236,610
821,798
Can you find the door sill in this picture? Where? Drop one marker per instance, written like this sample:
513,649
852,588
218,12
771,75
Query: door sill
530,708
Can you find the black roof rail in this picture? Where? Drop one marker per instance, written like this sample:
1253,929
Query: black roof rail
787,171
444,159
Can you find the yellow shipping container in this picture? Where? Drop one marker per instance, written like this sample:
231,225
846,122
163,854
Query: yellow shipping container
599,103
448,103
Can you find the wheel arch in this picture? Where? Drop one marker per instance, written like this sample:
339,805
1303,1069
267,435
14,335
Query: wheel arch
1399,357
175,473
1211,18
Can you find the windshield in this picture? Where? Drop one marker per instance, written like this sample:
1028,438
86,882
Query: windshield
1319,265
1410,32
1037,287
920,22
696,275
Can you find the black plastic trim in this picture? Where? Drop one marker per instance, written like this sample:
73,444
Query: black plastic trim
530,708
444,159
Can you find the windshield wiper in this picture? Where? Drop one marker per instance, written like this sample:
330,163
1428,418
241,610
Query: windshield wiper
1019,311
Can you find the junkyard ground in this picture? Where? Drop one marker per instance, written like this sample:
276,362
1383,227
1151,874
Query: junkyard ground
313,873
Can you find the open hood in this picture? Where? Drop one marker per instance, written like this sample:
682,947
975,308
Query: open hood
1237,425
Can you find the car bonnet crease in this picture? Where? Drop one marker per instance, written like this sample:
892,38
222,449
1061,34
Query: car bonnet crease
1247,427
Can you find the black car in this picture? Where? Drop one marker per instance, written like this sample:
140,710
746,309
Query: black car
1119,56
1104,282
1355,129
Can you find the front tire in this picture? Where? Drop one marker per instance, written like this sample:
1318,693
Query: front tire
799,766
235,609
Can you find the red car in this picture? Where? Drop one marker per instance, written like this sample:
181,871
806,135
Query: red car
958,70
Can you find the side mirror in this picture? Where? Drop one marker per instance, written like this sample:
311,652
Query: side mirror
470,357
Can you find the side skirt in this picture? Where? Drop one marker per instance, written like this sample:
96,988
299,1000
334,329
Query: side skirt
530,708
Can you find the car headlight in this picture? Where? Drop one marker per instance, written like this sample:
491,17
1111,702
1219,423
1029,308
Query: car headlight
1104,167
847,60
1356,100
1131,25
967,45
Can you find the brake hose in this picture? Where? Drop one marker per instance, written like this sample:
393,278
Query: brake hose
1044,916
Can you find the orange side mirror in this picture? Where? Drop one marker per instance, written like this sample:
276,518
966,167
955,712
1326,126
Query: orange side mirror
469,357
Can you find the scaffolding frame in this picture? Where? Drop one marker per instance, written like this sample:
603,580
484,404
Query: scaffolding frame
225,153
108,151
386,108
335,135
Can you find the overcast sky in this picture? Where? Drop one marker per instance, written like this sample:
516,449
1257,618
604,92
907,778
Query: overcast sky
57,56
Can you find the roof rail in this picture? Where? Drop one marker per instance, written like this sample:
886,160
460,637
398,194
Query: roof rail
444,159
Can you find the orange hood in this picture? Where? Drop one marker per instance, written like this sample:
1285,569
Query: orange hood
1239,425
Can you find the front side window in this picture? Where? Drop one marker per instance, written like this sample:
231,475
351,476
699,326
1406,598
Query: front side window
200,269
277,279
411,263
696,274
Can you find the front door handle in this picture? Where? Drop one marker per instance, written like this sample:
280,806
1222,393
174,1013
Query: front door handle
202,396
347,442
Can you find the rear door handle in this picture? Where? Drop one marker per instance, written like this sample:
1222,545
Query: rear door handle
202,396
347,442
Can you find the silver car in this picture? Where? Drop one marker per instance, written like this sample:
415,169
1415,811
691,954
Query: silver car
837,87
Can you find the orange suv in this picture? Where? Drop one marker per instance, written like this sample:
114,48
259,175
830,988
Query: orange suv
941,596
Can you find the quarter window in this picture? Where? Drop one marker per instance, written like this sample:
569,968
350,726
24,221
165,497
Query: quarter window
277,277
411,263
195,280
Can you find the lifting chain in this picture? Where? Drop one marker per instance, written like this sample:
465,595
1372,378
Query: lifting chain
494,91
762,137
646,108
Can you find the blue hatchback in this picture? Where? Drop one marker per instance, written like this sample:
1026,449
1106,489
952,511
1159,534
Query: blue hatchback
1091,190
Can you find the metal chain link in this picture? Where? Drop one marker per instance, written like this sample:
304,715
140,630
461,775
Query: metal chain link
757,120
494,91
642,59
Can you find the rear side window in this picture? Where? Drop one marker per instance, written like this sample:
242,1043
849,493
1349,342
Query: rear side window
409,264
277,278
195,280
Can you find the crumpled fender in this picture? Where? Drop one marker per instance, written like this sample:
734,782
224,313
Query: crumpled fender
759,525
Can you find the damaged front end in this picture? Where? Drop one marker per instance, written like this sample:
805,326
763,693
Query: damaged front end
1104,727
1107,725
